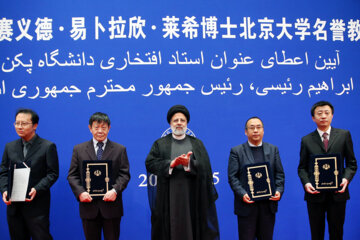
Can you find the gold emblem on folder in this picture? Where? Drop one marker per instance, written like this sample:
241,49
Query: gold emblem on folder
97,173
326,166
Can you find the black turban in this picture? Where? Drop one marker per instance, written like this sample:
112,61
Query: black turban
176,109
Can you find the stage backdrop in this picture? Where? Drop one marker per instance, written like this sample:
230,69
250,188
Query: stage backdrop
225,60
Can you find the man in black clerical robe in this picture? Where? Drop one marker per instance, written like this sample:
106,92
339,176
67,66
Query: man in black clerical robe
183,202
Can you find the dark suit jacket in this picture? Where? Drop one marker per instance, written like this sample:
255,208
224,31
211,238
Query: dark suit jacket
240,156
340,142
44,172
120,174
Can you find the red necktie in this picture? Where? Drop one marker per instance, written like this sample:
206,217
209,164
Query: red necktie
326,140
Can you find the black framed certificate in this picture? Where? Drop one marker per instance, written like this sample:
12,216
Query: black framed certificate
325,171
260,181
97,177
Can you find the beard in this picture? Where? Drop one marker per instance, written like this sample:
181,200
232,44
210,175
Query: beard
177,131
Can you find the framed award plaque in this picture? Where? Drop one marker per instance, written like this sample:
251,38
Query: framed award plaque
97,177
325,172
260,181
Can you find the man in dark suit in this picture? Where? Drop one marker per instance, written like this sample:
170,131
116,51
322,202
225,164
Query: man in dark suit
326,140
256,219
100,214
30,218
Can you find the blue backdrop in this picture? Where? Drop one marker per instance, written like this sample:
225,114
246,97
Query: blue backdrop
225,60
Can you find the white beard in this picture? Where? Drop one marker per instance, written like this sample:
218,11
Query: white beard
178,132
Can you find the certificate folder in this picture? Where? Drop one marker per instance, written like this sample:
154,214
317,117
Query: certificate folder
97,177
18,182
325,172
260,181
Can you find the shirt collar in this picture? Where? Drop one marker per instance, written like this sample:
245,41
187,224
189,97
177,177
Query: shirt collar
95,143
327,131
179,137
252,145
31,141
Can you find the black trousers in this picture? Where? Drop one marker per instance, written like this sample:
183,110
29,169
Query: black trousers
22,227
335,214
258,224
93,227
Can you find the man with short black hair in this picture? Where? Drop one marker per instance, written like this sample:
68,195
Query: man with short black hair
184,202
100,214
30,218
326,140
255,219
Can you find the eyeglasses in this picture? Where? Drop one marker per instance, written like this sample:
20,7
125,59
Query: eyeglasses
320,113
252,128
22,124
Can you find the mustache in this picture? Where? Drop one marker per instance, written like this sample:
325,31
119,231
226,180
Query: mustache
178,130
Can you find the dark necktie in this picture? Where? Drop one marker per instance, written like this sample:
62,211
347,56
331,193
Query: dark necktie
26,148
326,140
100,150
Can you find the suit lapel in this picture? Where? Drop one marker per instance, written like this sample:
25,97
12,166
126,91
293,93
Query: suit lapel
317,139
333,136
19,151
248,153
34,148
90,150
266,152
108,150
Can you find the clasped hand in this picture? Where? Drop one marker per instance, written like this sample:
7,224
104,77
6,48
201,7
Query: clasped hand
310,188
181,160
276,197
110,196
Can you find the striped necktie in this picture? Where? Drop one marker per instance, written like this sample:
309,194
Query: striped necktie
326,140
100,150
